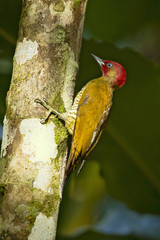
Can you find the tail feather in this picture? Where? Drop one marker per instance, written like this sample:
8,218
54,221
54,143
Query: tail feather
73,160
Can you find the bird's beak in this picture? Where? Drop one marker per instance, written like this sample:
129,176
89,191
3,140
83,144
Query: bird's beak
99,60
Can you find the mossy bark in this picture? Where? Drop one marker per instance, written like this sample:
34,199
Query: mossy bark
34,155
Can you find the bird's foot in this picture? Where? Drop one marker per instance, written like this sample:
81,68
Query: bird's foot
49,108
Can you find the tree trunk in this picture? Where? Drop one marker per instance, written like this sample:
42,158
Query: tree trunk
34,155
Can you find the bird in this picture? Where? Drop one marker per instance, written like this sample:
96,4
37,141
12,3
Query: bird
89,113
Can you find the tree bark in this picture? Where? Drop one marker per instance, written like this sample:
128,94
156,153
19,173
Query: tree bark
34,155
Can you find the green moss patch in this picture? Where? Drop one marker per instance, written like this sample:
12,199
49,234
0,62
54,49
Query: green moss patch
59,6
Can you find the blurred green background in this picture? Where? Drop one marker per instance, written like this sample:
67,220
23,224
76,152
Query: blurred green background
117,195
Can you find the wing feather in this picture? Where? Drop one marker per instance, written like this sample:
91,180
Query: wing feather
92,114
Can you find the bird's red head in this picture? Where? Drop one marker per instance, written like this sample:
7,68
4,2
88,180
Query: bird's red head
112,71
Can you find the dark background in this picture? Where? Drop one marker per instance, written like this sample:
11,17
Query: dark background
117,195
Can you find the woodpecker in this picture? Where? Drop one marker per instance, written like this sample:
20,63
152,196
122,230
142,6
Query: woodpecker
89,114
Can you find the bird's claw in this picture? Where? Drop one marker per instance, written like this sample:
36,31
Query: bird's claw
49,108
43,102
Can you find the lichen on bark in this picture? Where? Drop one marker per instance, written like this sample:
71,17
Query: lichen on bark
34,155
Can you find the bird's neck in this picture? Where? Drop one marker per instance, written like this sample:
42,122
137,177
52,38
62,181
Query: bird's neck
108,80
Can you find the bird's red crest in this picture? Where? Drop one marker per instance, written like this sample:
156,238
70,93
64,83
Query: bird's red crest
120,73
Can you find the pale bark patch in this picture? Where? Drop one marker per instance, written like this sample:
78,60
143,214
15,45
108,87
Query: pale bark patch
25,51
44,178
67,17
38,141
67,92
43,228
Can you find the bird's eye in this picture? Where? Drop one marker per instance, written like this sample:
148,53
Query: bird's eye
109,65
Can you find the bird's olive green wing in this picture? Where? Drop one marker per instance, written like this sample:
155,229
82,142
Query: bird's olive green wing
92,113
